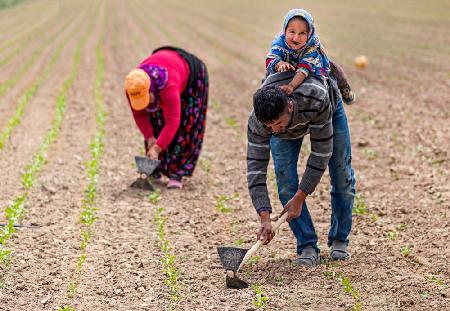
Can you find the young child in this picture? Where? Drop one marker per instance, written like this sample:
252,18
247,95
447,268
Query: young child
298,48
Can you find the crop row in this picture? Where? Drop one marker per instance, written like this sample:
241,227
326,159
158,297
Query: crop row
28,94
260,299
38,35
26,34
15,211
28,63
347,287
168,260
88,208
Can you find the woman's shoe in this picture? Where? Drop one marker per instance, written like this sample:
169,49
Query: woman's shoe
174,184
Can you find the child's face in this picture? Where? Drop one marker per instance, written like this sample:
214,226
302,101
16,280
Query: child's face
296,33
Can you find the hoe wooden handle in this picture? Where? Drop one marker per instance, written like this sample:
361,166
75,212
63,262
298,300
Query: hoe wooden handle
255,247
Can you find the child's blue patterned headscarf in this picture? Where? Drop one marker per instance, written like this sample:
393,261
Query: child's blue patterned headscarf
313,40
310,57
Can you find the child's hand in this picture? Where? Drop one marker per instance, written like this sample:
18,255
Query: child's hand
288,89
284,66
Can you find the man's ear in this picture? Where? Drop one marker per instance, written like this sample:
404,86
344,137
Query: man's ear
290,106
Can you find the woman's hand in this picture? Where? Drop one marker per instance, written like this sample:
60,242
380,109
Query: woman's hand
150,142
284,66
153,152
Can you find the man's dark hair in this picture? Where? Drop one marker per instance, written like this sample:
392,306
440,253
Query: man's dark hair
269,103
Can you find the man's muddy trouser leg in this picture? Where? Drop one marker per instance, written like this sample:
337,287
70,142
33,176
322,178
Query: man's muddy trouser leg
285,154
342,179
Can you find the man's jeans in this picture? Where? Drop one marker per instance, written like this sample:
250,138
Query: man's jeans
285,153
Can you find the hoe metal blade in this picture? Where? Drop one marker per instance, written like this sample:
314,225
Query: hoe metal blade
145,165
231,257
142,183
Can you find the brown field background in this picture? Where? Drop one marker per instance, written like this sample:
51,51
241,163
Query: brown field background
400,139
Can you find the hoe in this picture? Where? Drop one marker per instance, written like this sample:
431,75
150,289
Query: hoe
145,168
233,258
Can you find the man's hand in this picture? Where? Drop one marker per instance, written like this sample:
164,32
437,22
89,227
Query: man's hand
288,89
284,66
265,233
294,206
153,152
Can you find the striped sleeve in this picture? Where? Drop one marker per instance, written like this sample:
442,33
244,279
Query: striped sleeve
310,62
321,136
258,156
275,55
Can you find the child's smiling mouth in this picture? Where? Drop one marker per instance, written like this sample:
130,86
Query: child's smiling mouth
296,44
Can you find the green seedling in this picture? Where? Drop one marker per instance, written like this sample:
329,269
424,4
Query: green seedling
239,242
401,227
329,274
279,279
221,203
72,288
359,205
66,308
374,217
436,280
215,105
168,260
351,290
424,294
234,227
253,261
391,235
347,286
231,122
205,164
370,153
154,196
260,301
406,250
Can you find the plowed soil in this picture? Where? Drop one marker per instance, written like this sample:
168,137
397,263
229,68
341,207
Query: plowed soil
401,154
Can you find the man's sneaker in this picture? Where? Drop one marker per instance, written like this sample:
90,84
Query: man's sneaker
339,250
309,257
348,96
